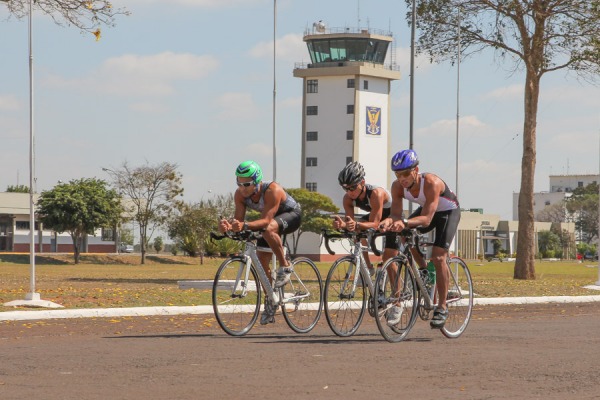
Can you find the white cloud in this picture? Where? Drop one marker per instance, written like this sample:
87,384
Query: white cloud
292,102
135,75
511,92
236,106
290,47
446,127
572,94
11,127
422,62
9,103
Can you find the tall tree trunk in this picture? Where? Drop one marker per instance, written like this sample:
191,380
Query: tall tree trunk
76,247
525,261
143,243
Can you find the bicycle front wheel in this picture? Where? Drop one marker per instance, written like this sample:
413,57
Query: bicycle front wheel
396,291
345,304
459,299
236,296
303,296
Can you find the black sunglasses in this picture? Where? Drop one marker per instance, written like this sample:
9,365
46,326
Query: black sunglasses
350,188
245,184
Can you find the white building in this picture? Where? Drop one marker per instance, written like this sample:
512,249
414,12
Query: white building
345,107
561,188
15,230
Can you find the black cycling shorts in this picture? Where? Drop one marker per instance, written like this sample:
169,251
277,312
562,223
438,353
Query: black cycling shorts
288,222
445,224
390,237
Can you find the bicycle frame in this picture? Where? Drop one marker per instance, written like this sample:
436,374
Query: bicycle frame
428,296
416,295
250,257
359,260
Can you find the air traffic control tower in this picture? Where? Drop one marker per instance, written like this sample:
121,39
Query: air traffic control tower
345,106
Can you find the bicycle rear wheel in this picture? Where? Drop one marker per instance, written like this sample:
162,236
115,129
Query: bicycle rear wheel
459,299
236,296
345,304
303,296
396,287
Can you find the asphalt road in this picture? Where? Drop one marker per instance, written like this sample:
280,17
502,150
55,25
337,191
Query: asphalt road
539,351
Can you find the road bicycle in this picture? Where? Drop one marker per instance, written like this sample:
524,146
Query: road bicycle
348,284
240,281
404,285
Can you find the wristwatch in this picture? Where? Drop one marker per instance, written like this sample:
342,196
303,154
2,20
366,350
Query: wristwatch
245,227
405,222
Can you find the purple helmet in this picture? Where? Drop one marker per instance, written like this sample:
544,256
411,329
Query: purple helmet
404,159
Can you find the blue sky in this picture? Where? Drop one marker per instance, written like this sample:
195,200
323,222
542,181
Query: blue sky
191,82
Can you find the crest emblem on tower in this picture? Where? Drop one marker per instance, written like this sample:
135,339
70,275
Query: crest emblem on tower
373,121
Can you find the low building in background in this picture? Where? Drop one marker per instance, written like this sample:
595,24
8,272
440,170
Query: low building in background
15,230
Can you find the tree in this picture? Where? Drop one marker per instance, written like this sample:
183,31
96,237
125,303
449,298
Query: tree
158,244
126,234
549,243
539,36
150,192
552,213
87,15
315,209
79,207
17,189
566,239
191,227
583,206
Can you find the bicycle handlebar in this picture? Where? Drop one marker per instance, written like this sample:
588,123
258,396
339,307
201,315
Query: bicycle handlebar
352,235
412,235
240,236
372,243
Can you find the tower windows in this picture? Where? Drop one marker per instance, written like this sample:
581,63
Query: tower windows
350,83
312,86
311,161
312,136
312,110
311,186
350,109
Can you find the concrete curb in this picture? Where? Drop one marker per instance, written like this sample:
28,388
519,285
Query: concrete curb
535,300
174,310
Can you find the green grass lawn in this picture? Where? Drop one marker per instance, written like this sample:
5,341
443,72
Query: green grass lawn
120,283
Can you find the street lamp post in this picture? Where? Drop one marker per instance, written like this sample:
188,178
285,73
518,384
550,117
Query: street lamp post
274,91
598,247
411,122
32,299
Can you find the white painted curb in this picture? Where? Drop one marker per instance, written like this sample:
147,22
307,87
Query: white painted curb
174,310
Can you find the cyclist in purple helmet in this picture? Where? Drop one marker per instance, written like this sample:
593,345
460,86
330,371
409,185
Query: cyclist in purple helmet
438,209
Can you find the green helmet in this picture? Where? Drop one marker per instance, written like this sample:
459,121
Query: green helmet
249,169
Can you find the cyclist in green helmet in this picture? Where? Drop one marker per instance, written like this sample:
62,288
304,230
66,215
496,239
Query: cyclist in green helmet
279,214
